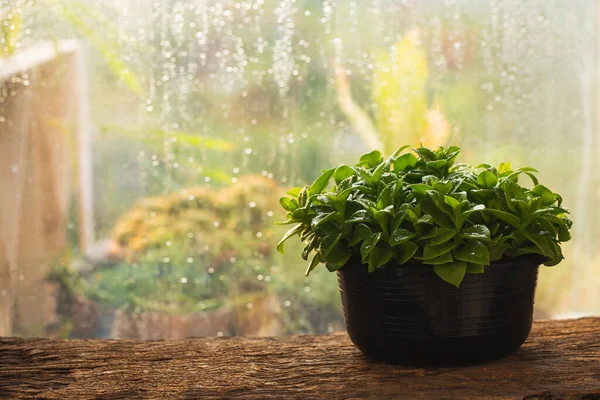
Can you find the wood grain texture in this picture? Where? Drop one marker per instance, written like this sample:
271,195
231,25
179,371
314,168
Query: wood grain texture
561,360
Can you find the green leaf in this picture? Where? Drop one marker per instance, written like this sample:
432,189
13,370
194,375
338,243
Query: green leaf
430,180
439,201
303,196
425,219
300,214
443,235
294,192
310,246
545,194
381,168
513,191
321,183
554,261
371,159
439,217
326,199
496,251
364,190
420,188
397,220
288,204
404,162
383,217
359,216
563,230
543,243
443,187
342,173
477,232
542,225
558,211
533,178
504,216
452,152
328,243
464,216
442,259
379,256
527,250
313,263
494,228
366,175
522,207
338,256
361,232
400,150
320,219
483,195
432,233
405,251
385,198
474,252
368,244
411,216
452,202
487,180
453,273
400,236
425,154
294,231
475,268
340,199
397,195
505,167
520,171
437,165
431,251
559,198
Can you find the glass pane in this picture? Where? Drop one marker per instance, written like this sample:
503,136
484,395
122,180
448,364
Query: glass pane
144,146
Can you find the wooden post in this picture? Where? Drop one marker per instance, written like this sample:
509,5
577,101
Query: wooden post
41,107
85,194
14,114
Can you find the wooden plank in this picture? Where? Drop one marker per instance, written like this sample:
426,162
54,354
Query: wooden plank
39,111
561,360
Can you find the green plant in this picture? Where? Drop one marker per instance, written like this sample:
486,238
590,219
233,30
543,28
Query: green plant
423,209
176,253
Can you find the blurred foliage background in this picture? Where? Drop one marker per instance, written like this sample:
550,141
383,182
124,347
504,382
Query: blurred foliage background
204,112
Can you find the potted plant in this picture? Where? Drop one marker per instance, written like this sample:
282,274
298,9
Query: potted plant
437,263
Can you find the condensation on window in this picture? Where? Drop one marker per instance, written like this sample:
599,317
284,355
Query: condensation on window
144,146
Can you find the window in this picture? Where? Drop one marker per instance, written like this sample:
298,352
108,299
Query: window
144,146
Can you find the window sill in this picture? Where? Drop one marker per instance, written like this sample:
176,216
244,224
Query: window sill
561,359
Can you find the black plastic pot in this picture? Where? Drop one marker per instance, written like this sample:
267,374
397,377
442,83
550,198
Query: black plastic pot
408,315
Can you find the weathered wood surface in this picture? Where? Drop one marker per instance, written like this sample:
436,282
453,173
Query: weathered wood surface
561,360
